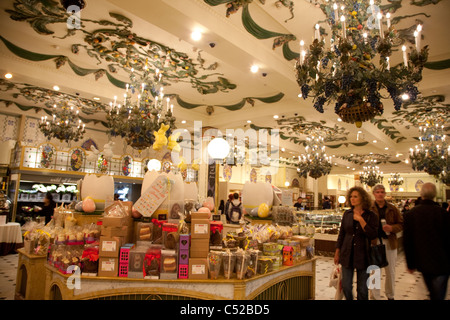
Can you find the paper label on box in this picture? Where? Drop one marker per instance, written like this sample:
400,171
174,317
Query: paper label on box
109,246
201,228
108,265
153,197
198,269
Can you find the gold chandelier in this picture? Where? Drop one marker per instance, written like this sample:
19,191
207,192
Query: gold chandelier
353,66
64,124
143,110
315,161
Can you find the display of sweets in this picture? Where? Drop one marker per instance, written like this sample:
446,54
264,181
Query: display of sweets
229,260
242,262
89,260
265,265
152,262
170,235
214,264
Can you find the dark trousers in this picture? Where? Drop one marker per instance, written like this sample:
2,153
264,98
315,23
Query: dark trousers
361,284
437,285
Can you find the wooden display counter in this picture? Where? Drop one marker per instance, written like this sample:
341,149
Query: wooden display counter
295,282
30,281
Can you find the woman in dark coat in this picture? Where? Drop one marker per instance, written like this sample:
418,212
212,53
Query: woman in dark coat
358,227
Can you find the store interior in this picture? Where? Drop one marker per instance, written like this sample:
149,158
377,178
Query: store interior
124,92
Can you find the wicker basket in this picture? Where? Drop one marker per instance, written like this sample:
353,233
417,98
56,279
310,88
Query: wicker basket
357,113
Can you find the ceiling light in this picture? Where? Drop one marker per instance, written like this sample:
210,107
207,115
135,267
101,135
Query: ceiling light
254,68
183,121
283,149
275,117
339,119
196,35
405,96
96,98
374,141
8,76
56,88
249,121
386,148
299,95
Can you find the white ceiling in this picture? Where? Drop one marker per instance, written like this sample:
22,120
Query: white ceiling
171,22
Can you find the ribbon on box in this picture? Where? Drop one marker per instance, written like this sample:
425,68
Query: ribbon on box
158,223
149,257
169,227
92,254
216,227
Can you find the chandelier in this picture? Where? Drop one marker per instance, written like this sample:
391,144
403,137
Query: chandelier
352,67
65,124
432,153
371,174
143,110
314,162
395,180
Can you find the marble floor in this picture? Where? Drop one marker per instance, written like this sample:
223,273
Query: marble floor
408,286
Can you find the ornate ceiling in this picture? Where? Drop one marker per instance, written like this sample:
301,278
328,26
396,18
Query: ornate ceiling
209,80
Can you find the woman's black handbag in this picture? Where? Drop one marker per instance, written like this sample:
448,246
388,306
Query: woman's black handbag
377,255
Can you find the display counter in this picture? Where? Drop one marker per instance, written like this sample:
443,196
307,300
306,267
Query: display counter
295,282
30,284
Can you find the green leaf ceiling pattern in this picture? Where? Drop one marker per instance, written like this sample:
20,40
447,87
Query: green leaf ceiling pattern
118,46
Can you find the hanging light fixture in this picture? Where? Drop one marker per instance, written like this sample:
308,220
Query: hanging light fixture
315,161
395,180
432,153
64,124
354,66
371,174
143,111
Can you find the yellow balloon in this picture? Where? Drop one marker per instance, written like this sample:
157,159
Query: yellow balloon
263,210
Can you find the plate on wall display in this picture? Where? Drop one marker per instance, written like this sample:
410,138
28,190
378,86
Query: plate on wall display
47,155
227,172
418,185
102,165
76,159
126,165
87,145
394,188
268,178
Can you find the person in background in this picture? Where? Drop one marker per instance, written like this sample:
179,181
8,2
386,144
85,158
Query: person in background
359,226
227,205
426,241
445,205
299,205
326,203
388,234
48,209
221,207
234,212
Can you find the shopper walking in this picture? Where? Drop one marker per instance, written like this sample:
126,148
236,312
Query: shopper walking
427,242
359,224
390,223
48,209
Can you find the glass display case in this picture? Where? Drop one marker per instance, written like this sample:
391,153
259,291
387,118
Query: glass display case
321,219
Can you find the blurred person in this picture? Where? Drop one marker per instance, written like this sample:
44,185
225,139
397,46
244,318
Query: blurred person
388,234
227,205
48,209
426,241
235,210
359,226
299,205
326,203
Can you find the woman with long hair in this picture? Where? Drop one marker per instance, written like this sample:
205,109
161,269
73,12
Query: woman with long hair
358,227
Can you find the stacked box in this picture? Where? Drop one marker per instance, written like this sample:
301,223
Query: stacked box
123,259
200,234
183,256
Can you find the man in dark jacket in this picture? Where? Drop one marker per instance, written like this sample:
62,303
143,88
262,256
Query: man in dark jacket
427,242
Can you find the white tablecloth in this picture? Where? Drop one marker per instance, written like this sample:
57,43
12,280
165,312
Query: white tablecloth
11,233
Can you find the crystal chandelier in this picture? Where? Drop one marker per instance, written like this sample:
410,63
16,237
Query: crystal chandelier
143,110
371,174
314,162
432,153
395,180
353,66
65,124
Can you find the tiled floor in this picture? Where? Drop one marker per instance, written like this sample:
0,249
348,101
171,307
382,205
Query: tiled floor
408,286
